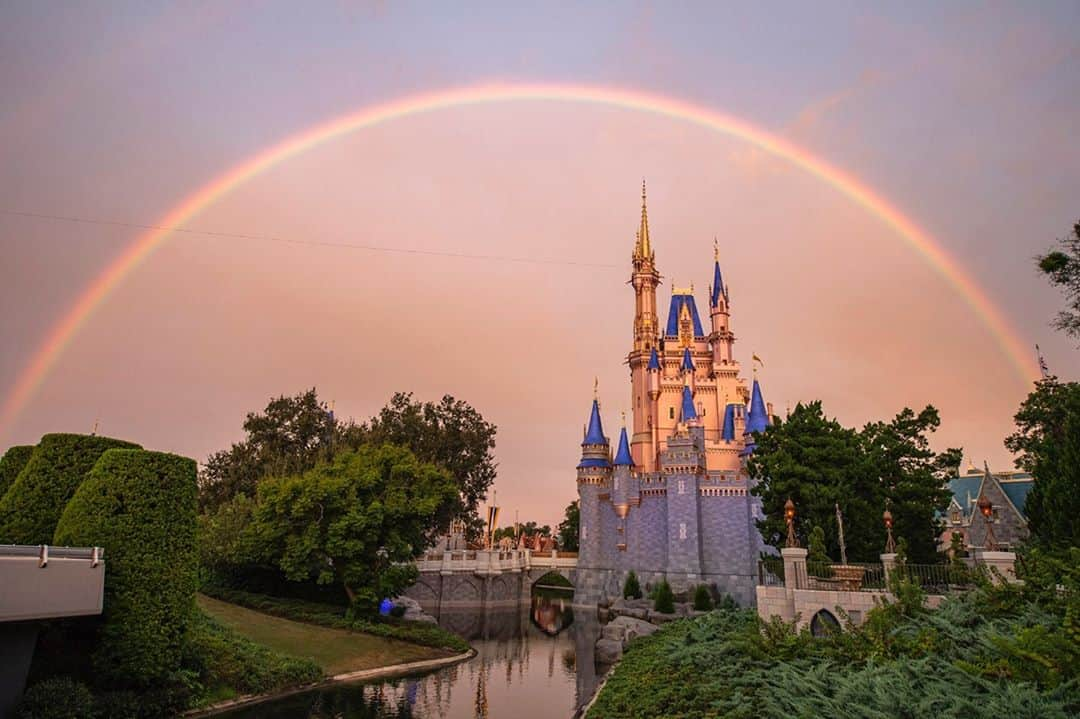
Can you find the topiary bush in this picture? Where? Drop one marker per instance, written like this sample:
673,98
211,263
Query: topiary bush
702,598
631,588
12,463
32,506
57,698
141,507
665,598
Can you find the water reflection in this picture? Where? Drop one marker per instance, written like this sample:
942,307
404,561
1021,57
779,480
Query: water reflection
532,662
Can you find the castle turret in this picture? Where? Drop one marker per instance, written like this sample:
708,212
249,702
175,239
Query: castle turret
721,337
643,355
593,478
757,418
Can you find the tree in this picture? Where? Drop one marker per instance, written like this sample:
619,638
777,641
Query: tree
1047,440
702,599
450,434
527,528
816,463
356,521
664,599
1063,268
631,587
290,436
12,463
141,507
569,528
31,507
913,478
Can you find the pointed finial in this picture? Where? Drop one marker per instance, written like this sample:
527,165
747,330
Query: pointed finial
93,432
643,230
715,249
623,413
596,388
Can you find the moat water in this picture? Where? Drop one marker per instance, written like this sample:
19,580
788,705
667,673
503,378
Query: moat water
532,662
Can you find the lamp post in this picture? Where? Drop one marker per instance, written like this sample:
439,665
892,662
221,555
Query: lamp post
890,544
789,517
987,510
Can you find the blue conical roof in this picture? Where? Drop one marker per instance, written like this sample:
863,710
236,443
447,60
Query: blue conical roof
727,433
717,285
758,419
622,456
654,360
688,410
595,433
687,361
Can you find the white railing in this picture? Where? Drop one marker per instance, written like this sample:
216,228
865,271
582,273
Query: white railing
493,561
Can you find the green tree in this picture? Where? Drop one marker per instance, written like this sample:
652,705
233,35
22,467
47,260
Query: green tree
817,463
664,599
527,528
290,436
913,478
224,540
12,463
570,527
450,434
141,507
702,598
816,552
31,507
1047,442
356,521
631,587
1062,266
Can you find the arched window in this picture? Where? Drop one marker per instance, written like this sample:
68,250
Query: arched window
824,624
671,413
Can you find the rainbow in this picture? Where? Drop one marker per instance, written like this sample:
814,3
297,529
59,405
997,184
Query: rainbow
60,335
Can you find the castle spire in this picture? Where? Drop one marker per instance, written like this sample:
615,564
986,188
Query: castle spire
595,433
622,456
717,290
644,248
689,412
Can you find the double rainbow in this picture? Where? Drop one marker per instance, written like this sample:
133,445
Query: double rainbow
61,334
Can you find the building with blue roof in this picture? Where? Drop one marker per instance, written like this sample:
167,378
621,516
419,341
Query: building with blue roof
674,502
1007,492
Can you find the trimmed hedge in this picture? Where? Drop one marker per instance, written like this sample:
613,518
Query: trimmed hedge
141,507
57,698
12,463
329,615
32,506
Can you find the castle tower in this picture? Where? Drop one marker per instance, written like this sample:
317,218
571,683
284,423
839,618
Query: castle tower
593,479
644,280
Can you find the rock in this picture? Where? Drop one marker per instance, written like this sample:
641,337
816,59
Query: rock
637,613
619,604
659,618
614,631
631,629
409,603
608,651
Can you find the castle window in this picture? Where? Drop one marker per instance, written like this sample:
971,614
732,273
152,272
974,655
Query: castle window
682,530
671,413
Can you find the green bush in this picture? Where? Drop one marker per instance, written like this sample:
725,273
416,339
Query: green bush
57,698
702,598
31,507
141,507
631,588
12,463
665,598
329,615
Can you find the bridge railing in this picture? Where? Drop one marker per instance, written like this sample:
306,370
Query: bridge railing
488,561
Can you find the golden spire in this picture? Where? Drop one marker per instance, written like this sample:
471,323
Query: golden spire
644,248
596,388
715,250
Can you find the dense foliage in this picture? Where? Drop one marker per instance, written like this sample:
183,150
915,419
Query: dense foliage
12,463
570,527
631,587
141,507
329,615
57,698
1062,266
664,598
356,522
31,507
1047,440
820,464
702,598
529,529
994,652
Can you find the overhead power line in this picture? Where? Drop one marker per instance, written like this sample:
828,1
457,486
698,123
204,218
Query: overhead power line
312,243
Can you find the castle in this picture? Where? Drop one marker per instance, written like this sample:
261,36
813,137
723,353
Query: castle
674,502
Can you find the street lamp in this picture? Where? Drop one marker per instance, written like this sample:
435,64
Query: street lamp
987,510
890,544
789,517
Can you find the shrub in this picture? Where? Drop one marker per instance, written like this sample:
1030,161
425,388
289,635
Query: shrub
12,463
141,507
665,598
631,589
56,698
702,598
31,507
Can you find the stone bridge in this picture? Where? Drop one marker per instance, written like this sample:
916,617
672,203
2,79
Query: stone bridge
485,578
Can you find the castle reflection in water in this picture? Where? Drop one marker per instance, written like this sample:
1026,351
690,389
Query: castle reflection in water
535,661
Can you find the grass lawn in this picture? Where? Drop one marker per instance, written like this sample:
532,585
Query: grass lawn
335,650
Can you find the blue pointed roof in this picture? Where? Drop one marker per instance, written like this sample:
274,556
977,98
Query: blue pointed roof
654,360
717,285
687,361
595,433
622,457
688,410
677,303
758,418
727,433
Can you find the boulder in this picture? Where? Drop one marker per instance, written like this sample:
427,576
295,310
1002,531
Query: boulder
608,651
630,628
